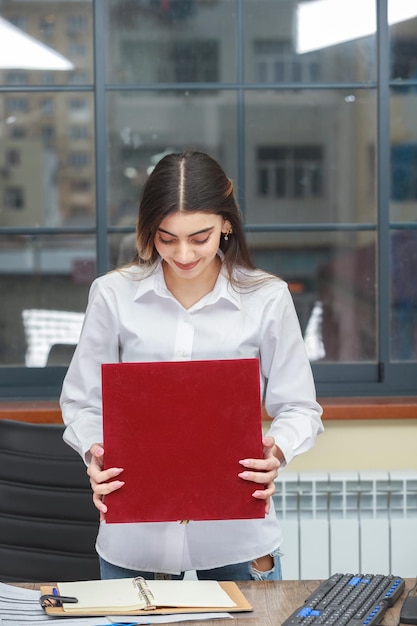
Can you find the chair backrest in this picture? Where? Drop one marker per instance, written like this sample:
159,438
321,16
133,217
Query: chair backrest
48,523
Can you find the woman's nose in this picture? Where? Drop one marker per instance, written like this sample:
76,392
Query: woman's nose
184,253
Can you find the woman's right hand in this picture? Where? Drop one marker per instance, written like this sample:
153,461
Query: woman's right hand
101,480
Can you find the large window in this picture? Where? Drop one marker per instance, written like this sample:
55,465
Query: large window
317,131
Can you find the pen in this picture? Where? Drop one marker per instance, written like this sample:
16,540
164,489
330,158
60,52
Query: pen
60,598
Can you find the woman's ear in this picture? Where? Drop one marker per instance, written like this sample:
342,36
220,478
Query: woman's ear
226,227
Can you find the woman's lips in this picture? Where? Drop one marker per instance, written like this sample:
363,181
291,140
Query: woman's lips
187,266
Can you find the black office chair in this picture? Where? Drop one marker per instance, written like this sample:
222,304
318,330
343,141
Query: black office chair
48,523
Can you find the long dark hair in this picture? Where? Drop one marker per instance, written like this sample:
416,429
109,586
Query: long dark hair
190,181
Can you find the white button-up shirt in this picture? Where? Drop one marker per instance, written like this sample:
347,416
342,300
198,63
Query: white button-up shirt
134,318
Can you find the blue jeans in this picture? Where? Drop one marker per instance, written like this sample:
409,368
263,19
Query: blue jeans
237,571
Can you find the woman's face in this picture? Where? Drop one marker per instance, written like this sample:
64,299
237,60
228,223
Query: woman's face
188,242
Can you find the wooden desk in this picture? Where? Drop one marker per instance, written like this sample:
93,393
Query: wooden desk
273,602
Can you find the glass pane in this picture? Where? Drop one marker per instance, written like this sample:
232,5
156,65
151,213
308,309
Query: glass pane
310,156
121,248
48,43
403,111
403,39
46,279
332,280
171,42
404,295
403,206
288,41
48,170
143,126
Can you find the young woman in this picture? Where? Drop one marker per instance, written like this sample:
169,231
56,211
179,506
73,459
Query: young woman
192,292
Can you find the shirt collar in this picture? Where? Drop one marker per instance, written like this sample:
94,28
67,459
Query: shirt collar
155,282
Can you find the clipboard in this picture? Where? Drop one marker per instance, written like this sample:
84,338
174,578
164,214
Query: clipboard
179,429
241,604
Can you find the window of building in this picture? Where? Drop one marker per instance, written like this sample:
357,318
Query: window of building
404,172
79,214
17,77
79,132
48,133
78,159
18,20
80,185
76,24
196,61
290,171
17,132
187,61
277,62
78,77
12,156
76,49
404,58
47,106
77,104
14,198
17,104
47,25
47,78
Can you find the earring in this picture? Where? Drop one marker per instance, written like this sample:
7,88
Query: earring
226,235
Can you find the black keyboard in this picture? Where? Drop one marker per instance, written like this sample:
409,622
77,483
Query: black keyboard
349,600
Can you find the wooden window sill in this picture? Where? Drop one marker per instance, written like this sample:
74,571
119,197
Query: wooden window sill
380,408
48,411
36,411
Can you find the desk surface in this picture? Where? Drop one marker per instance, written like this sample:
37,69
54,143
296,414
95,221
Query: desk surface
273,602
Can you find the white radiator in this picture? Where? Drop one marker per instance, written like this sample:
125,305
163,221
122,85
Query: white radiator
347,522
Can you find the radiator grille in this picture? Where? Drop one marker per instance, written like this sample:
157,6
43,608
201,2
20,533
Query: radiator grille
347,522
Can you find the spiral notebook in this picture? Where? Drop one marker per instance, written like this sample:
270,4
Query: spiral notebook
179,429
135,596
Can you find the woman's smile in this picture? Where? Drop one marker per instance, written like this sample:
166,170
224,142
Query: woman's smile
186,266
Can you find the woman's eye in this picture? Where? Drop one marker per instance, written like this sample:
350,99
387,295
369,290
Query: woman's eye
201,241
165,241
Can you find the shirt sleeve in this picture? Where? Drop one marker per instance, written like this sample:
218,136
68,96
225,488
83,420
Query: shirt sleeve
81,397
290,396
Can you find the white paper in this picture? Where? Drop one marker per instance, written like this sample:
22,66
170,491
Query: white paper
81,621
168,619
20,606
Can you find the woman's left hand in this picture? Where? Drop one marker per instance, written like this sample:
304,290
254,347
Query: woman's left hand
264,471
